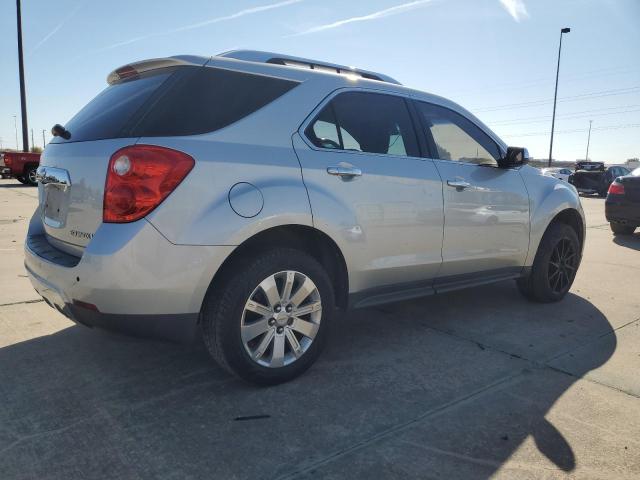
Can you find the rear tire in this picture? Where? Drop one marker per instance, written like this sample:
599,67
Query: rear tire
30,176
554,267
619,229
244,302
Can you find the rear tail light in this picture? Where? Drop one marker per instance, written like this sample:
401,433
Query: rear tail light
139,178
616,188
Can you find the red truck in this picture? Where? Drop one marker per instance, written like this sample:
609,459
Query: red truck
20,165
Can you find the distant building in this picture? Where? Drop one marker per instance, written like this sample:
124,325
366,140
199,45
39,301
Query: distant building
632,163
544,162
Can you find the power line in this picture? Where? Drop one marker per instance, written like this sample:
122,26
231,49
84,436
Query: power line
565,117
610,127
533,103
537,117
543,80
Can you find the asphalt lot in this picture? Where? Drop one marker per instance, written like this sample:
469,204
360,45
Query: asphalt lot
472,384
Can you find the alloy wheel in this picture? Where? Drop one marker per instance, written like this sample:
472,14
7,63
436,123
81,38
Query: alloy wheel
281,319
562,266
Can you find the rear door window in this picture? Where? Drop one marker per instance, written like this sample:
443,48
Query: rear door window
366,122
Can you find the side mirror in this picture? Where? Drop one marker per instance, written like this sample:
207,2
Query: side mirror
515,157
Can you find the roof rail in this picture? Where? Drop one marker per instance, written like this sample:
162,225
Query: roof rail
287,60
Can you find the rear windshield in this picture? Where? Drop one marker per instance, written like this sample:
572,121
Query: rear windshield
176,102
106,115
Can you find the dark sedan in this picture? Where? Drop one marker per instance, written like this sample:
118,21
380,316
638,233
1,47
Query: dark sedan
622,206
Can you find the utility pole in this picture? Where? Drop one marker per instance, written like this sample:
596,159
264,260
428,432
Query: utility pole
23,95
15,125
555,95
586,157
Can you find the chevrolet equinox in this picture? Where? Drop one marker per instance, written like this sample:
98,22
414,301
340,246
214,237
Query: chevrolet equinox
247,197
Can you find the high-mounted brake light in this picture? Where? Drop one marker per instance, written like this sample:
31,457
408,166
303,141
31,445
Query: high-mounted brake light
616,188
139,178
122,73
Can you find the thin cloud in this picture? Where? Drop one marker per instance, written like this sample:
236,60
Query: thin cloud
387,12
241,13
55,29
211,21
515,8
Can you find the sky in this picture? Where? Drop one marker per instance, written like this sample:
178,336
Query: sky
496,58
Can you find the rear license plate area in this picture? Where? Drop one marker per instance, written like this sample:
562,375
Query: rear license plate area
55,205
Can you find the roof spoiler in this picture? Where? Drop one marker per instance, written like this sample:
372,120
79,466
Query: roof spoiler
132,70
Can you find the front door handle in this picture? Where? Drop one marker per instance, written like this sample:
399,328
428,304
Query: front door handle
458,184
342,171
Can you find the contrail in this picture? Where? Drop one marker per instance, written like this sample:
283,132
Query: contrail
225,18
387,12
516,9
241,13
56,28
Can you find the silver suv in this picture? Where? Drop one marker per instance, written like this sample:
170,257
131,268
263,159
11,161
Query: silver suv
248,196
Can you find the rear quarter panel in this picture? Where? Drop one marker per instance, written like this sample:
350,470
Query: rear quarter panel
199,212
255,150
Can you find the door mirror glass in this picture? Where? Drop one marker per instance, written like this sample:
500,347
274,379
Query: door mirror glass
515,157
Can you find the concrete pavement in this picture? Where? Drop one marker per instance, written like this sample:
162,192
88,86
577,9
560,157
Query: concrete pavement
472,384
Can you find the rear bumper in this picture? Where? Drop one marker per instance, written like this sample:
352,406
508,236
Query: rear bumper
586,190
620,210
173,327
138,282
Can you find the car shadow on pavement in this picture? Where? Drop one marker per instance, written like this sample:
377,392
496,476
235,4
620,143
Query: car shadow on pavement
448,386
629,241
15,185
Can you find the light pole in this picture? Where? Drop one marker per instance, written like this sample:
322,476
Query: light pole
15,125
44,141
586,157
23,95
555,96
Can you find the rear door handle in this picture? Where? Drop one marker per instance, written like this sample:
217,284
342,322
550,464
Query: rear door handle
458,184
342,171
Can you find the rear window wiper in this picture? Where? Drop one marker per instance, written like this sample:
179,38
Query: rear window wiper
59,131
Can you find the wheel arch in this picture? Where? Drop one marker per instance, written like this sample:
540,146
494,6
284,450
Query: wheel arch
301,237
571,217
27,166
568,215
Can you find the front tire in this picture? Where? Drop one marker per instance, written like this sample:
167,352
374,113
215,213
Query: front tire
554,267
21,179
269,321
619,229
